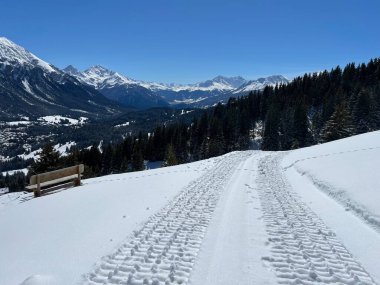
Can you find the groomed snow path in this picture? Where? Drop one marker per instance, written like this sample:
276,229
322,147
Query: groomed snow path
303,249
239,223
164,250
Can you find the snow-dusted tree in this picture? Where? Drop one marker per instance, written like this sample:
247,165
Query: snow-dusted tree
366,112
49,160
339,125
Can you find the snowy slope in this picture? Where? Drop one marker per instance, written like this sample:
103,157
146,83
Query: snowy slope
12,54
117,87
243,218
346,170
261,83
339,181
61,236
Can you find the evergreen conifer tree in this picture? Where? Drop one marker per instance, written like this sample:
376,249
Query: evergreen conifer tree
48,160
170,156
271,135
339,125
137,162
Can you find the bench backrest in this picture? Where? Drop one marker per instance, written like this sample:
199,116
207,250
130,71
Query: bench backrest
56,174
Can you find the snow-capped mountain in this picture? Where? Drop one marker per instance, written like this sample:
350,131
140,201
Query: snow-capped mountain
143,94
118,87
99,76
15,55
221,83
32,87
261,83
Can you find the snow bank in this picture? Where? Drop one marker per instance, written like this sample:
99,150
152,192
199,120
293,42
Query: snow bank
346,170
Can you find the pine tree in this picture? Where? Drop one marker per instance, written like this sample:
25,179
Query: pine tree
301,125
170,156
366,112
137,162
48,161
107,155
339,125
271,135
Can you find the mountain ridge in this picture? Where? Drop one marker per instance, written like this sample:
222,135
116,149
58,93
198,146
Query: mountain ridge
29,86
202,94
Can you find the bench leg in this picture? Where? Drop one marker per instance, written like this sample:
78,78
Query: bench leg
77,182
37,191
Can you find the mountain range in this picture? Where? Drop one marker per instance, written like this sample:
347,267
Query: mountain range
30,86
142,94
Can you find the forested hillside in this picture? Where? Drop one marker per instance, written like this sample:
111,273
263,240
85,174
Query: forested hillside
312,109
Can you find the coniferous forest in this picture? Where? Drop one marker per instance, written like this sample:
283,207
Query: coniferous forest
312,109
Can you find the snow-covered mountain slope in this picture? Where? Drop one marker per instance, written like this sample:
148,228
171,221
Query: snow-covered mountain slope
261,83
221,83
32,87
99,76
117,87
243,218
12,55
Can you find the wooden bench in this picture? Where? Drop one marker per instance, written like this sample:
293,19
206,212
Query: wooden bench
57,179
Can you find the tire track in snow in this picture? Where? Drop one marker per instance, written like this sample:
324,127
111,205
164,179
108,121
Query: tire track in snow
164,250
304,250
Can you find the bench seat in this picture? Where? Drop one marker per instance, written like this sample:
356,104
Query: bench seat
52,182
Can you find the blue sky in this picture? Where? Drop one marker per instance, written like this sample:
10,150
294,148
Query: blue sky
185,41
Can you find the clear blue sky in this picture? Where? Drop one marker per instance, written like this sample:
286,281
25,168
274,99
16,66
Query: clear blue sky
186,41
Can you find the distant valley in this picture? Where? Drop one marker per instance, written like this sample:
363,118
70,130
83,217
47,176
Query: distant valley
40,102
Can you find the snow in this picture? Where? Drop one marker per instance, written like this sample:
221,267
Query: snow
244,218
27,86
13,198
235,242
339,181
16,123
189,100
261,83
11,53
33,154
3,191
100,77
11,172
184,112
40,280
61,148
346,170
62,235
122,125
57,119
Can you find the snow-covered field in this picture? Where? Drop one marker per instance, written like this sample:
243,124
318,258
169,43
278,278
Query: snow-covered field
302,217
61,148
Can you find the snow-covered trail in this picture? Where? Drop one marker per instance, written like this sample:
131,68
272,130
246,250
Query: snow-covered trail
239,223
164,250
236,239
303,249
